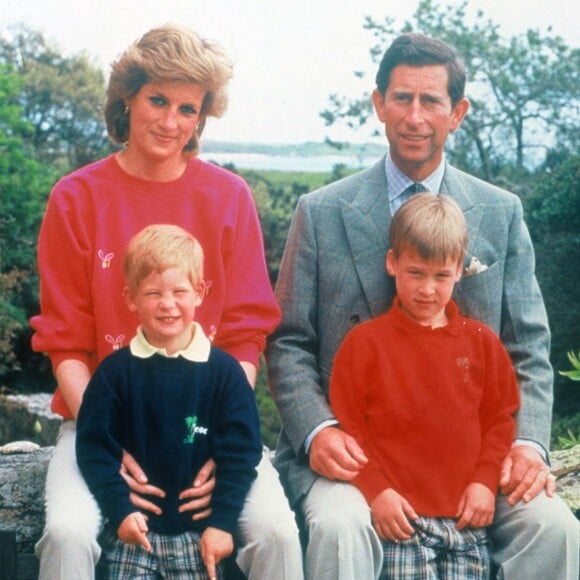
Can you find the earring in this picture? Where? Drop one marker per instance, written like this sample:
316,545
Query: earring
127,110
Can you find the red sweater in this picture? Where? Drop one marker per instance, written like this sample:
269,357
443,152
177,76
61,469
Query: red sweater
432,408
91,215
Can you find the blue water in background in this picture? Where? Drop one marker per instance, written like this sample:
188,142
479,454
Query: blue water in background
313,164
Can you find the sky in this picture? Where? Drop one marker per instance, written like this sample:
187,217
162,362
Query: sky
289,55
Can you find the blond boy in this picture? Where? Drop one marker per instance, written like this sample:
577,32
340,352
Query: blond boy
172,401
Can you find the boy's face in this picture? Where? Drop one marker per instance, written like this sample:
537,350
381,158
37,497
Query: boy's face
166,304
424,287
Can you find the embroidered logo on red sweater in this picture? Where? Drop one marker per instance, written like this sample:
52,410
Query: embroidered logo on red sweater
463,365
117,343
105,259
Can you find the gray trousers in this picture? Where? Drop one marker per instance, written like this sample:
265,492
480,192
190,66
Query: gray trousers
269,541
535,541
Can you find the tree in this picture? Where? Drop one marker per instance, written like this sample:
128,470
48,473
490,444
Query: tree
553,216
60,96
524,91
24,184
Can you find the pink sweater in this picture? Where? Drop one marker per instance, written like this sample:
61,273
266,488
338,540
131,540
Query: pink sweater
432,408
91,215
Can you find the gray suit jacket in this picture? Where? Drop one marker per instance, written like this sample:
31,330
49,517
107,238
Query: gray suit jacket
333,276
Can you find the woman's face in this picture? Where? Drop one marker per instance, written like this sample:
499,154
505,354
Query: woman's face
163,117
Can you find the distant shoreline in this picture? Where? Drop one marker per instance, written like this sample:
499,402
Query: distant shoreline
307,157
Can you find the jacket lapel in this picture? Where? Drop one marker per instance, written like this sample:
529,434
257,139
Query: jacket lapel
367,219
457,187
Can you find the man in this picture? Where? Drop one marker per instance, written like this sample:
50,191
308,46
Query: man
332,277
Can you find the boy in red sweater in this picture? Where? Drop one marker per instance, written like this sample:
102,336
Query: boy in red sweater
430,396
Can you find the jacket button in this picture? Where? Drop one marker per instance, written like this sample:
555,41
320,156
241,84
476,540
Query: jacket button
355,318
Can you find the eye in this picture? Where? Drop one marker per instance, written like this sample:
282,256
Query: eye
430,100
157,100
188,110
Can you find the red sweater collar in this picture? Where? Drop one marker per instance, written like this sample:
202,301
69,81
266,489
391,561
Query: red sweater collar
405,323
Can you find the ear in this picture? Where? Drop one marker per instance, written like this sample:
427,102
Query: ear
459,272
458,114
129,300
379,104
200,292
391,263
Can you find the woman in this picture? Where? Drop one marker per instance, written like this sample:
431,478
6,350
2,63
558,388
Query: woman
160,93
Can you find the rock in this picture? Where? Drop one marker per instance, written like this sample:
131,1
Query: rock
568,482
28,417
19,447
22,479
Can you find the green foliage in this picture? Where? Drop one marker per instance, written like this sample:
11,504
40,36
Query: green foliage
573,375
571,440
565,431
23,187
269,417
61,98
553,216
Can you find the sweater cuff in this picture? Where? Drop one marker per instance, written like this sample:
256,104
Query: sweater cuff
248,352
488,475
56,357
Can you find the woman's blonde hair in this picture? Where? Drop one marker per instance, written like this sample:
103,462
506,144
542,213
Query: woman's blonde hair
167,54
159,247
431,225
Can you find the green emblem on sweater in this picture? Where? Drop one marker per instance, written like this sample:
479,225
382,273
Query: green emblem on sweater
192,429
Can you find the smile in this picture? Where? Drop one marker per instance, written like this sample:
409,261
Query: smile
165,138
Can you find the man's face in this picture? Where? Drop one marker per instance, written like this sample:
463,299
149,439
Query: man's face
417,113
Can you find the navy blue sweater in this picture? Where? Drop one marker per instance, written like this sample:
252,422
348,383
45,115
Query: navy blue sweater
172,415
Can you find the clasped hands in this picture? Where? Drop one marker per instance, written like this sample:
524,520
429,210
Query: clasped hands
337,456
215,544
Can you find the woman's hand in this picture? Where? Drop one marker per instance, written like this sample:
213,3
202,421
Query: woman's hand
139,486
200,492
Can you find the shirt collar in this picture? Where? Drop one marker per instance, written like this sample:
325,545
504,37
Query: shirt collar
397,181
196,351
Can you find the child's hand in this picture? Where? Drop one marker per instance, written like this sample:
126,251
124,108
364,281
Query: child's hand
133,530
476,507
215,546
391,513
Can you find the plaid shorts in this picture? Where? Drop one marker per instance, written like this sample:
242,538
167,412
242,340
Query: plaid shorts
438,551
177,557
